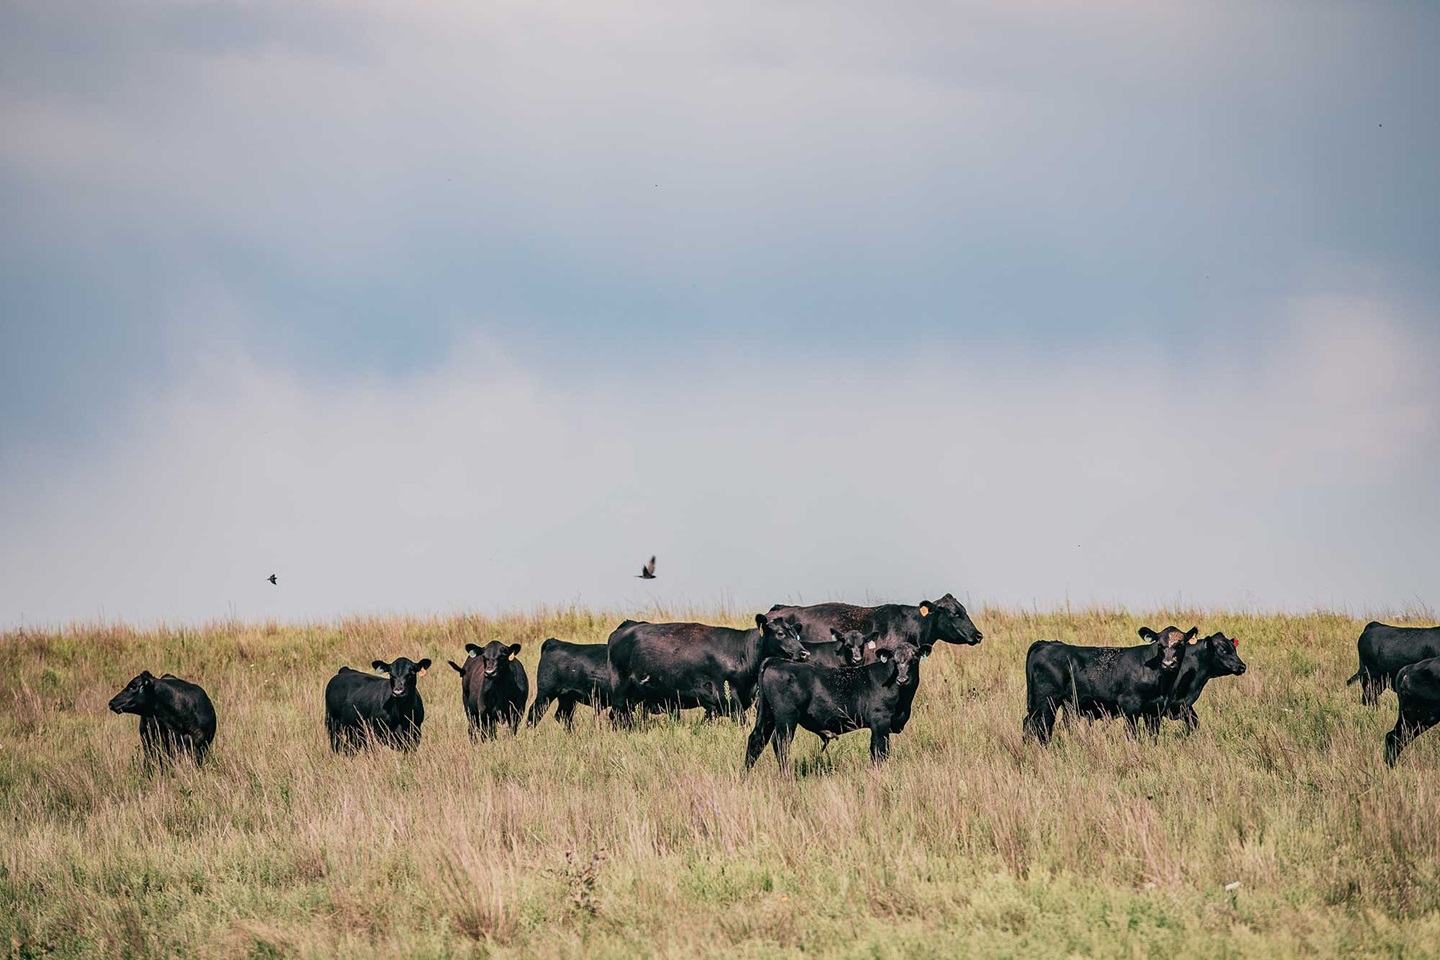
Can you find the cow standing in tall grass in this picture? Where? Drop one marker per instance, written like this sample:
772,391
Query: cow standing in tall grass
1132,682
674,666
176,716
362,707
832,701
1385,650
493,687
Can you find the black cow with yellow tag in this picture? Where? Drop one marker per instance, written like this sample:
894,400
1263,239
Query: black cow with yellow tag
493,687
927,623
362,708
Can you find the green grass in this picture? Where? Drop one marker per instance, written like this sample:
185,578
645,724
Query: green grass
969,842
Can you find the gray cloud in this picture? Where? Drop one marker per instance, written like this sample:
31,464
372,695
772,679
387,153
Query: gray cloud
487,485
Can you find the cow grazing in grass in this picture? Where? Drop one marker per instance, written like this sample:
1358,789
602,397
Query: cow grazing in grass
176,716
1132,682
1417,686
673,666
362,707
570,674
1384,650
925,624
831,701
1215,656
493,687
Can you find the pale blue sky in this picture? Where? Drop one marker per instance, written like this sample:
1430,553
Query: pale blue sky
996,298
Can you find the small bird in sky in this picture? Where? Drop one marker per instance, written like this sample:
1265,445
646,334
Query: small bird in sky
647,572
272,579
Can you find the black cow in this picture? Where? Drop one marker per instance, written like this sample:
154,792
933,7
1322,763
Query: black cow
680,665
1133,682
1384,650
176,716
841,650
493,687
360,707
1215,656
927,623
570,673
830,701
1417,685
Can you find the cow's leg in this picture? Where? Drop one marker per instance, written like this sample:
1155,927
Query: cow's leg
1152,723
565,712
879,744
516,714
1408,725
1040,723
781,739
1191,718
761,735
1371,687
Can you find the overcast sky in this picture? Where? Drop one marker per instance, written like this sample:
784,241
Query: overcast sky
451,305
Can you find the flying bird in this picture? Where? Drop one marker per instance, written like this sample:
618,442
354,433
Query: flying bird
647,572
272,579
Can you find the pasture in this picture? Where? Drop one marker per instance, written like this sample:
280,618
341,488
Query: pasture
969,842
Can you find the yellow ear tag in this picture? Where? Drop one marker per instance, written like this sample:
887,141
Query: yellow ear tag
924,611
512,656
1194,640
423,671
871,645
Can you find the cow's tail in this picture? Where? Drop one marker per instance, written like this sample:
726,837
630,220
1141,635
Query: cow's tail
1358,674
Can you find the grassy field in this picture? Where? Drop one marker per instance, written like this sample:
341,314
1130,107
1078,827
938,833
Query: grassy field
970,842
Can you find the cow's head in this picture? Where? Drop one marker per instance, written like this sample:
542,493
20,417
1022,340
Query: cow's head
137,697
851,645
906,660
1169,644
493,656
402,673
946,619
1223,654
779,637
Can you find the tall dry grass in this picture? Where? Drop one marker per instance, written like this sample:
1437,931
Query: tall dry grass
600,843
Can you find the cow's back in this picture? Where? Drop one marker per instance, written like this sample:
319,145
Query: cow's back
193,703
351,696
1385,649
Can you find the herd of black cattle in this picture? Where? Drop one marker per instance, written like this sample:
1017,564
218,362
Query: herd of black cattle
829,668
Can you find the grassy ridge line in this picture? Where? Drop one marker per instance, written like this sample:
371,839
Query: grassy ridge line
969,841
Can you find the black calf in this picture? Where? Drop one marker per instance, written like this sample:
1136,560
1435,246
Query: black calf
360,707
830,701
570,674
1418,687
176,717
493,687
1133,682
1385,650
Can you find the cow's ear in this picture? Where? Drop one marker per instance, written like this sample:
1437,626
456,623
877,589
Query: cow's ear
146,676
1148,635
925,650
458,669
380,665
760,620
925,608
884,654
836,634
473,650
424,665
514,650
1191,634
